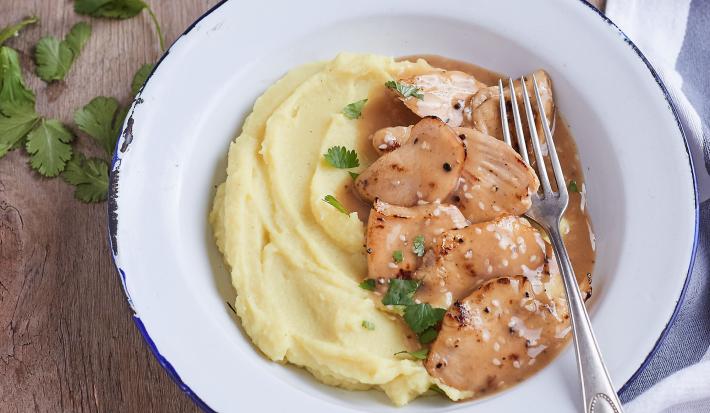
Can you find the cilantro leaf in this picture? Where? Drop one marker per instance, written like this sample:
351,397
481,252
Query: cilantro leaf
420,317
572,186
48,146
397,256
340,157
13,30
419,354
428,335
400,292
354,110
55,58
118,9
369,325
140,77
89,176
14,128
405,90
15,97
353,175
418,245
330,199
101,119
368,284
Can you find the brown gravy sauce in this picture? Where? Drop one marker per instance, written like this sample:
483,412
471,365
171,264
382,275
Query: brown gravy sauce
383,110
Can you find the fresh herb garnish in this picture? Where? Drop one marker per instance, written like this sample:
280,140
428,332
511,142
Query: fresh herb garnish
400,292
15,97
342,158
330,199
140,77
13,130
428,335
420,317
368,284
418,245
572,186
369,325
404,89
89,176
353,175
419,354
102,120
48,146
55,58
13,30
397,256
354,110
118,9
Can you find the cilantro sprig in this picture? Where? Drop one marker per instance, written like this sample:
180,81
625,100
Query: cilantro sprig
342,158
55,58
118,9
572,186
101,119
14,29
404,89
48,146
354,110
422,318
368,284
140,77
89,176
418,245
418,354
330,199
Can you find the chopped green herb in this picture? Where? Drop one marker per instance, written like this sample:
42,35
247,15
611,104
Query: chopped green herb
89,176
15,97
13,130
117,9
368,284
340,157
400,292
397,256
418,245
48,146
353,175
140,77
354,110
55,58
368,325
419,354
13,30
404,90
428,335
102,120
572,186
420,317
330,199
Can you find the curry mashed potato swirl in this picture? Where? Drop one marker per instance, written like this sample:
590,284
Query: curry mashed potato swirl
296,261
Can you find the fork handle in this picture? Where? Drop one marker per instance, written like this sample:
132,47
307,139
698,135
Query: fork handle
597,391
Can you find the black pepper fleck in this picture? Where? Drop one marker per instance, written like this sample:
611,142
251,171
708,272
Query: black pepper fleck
447,167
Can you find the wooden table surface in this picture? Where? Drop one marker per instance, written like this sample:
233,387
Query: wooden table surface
67,341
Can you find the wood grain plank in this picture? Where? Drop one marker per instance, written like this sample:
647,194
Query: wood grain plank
67,341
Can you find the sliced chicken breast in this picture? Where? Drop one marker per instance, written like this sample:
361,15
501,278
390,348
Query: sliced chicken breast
484,113
425,169
465,258
495,180
444,94
392,228
504,331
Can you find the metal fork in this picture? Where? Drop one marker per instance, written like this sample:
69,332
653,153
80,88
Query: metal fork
547,208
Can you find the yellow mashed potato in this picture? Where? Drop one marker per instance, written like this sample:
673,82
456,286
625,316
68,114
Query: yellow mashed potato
296,261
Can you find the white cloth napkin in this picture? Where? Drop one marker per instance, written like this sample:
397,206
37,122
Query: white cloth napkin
675,36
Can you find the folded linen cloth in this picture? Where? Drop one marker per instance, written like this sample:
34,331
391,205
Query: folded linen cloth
675,37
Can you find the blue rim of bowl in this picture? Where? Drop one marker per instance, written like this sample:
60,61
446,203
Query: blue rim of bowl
127,131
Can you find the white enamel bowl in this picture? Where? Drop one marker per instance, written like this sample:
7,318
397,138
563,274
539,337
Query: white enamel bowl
172,153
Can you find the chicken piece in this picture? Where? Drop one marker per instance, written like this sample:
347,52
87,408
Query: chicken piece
444,94
495,180
465,258
500,334
425,169
484,111
392,228
388,139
